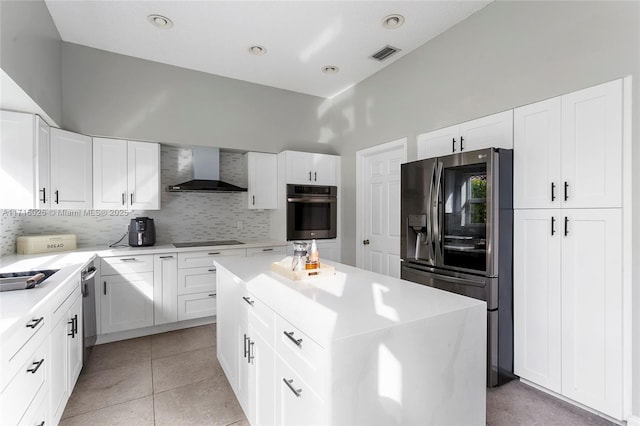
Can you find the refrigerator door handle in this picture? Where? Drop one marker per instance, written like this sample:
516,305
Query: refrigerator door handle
435,213
429,241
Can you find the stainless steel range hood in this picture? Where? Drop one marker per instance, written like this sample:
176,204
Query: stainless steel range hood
206,174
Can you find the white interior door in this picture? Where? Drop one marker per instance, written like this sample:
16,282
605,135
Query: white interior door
379,207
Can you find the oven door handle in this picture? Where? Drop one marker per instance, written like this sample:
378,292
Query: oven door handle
312,200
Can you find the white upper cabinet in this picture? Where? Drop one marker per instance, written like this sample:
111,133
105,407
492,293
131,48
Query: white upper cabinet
310,169
109,173
262,171
491,131
24,161
71,171
143,175
568,150
126,174
592,146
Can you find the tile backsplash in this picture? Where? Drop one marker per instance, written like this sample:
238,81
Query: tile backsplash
184,216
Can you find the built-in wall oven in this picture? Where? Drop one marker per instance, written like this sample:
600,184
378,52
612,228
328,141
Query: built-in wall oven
311,212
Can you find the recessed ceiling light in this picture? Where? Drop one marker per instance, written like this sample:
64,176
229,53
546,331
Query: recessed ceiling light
330,69
393,21
257,50
160,21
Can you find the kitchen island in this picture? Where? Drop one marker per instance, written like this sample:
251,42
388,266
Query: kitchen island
354,347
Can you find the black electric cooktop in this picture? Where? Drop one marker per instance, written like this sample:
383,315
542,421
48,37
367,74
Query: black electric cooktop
207,243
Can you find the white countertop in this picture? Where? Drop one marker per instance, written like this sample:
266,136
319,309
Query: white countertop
19,304
351,302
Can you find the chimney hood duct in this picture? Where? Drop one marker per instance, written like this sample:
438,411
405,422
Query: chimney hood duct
206,174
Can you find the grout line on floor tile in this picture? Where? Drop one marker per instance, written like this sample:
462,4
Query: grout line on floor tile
181,353
182,386
105,407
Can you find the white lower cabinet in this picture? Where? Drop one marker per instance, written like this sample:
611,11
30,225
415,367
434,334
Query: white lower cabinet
165,288
568,304
296,402
66,349
197,305
126,299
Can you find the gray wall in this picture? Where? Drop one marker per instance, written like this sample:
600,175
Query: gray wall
506,55
30,53
120,96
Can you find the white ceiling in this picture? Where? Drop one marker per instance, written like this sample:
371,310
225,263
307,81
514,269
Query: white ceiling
300,36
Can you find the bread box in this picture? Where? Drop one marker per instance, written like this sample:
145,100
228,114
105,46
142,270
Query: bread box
33,244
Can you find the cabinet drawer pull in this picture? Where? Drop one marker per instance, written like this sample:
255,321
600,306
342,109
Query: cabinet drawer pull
309,176
553,225
213,253
315,176
57,196
212,294
566,190
166,257
553,191
453,144
124,198
253,197
248,300
37,366
267,249
461,145
298,342
41,424
295,391
211,270
104,287
34,322
566,226
129,259
132,198
44,195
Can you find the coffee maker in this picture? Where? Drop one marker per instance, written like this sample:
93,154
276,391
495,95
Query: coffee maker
142,232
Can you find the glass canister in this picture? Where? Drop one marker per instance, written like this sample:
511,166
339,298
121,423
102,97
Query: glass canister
299,256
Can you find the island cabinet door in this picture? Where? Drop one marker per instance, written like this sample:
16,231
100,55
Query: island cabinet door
296,402
262,359
226,301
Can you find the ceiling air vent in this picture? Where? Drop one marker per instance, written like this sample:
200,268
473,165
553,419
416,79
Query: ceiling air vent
384,53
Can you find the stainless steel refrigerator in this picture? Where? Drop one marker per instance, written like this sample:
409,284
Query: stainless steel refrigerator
457,235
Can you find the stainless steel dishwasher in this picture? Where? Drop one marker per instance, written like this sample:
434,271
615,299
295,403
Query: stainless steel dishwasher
88,310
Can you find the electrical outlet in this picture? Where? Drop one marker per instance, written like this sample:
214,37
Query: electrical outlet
239,225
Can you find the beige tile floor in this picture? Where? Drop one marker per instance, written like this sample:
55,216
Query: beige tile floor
175,379
167,379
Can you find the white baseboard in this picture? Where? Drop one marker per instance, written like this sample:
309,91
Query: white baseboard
147,331
633,421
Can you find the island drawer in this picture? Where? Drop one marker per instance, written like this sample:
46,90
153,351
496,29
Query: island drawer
261,317
126,265
17,396
304,355
296,401
199,259
196,280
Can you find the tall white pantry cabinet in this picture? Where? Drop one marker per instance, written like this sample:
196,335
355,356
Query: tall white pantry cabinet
570,272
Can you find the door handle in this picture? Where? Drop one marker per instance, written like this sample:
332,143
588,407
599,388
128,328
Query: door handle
245,346
309,176
124,198
57,196
566,226
553,225
553,191
365,242
254,199
461,145
453,144
104,287
566,190
44,195
132,198
315,176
